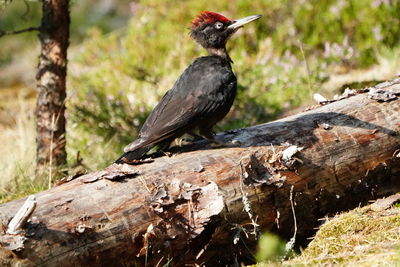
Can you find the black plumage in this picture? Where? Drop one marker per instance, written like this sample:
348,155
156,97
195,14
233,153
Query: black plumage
201,96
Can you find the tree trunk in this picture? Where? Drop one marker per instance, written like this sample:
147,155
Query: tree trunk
208,206
51,78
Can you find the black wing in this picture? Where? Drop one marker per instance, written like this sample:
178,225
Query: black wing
198,93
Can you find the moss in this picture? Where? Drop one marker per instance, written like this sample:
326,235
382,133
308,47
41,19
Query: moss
361,237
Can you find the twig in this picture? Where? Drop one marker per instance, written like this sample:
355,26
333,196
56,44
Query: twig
159,262
53,129
22,215
307,67
289,245
246,203
51,151
30,29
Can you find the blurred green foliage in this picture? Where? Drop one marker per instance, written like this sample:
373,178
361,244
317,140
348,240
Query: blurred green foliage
279,60
106,15
270,248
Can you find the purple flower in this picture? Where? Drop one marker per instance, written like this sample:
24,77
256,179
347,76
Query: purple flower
377,33
327,49
377,3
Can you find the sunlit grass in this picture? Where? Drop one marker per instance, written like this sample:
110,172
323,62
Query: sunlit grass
17,163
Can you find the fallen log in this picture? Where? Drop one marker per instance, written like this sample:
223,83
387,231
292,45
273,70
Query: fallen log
208,206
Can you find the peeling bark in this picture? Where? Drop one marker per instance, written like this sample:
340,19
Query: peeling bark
51,79
207,206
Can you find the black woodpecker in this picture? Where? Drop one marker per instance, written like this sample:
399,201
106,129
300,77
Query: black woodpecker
201,96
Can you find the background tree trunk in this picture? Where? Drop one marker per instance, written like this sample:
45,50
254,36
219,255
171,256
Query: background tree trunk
51,83
208,206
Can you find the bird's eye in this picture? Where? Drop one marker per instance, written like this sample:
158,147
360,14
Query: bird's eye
219,25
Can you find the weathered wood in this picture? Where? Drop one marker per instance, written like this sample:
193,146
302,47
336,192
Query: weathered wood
22,216
207,206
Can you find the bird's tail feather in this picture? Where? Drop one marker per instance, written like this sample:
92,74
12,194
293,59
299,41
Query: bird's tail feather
134,145
136,154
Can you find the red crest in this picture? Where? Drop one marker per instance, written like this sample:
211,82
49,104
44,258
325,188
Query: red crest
208,17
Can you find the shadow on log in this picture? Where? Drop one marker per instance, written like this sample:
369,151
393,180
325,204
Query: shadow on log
207,206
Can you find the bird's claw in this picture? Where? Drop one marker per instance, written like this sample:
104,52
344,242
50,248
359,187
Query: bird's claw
215,143
168,154
185,141
236,142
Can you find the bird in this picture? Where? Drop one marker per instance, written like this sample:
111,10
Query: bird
201,96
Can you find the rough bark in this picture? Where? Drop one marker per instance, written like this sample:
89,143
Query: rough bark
51,78
207,206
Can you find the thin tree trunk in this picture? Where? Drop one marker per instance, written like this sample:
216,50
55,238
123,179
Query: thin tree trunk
208,206
51,84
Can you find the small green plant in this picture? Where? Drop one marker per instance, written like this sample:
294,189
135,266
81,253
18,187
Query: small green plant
270,248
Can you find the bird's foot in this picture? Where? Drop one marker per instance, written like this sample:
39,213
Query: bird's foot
216,143
185,141
168,154
188,140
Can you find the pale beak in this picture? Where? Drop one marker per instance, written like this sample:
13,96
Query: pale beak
240,22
